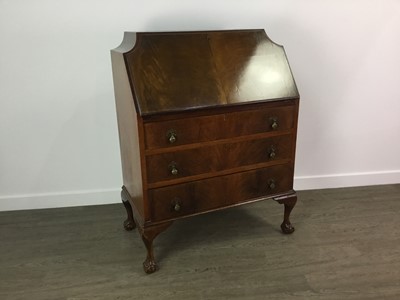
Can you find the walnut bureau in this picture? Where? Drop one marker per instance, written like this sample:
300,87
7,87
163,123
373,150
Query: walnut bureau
207,120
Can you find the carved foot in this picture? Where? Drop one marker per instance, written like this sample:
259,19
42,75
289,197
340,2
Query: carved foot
287,228
129,223
289,202
148,235
150,266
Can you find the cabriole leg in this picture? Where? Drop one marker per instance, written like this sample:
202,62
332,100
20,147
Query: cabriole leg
289,203
129,223
148,236
149,265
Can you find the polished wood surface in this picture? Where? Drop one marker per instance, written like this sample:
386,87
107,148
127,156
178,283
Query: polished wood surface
211,159
218,125
221,191
346,246
129,129
210,69
207,121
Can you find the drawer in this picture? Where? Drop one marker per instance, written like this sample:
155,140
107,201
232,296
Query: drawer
219,126
208,194
224,156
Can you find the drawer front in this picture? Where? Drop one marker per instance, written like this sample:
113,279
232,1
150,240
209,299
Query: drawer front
220,126
179,164
203,195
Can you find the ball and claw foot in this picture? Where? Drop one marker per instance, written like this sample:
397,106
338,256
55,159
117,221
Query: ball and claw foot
150,266
287,228
129,224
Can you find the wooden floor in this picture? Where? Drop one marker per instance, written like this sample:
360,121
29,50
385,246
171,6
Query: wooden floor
346,246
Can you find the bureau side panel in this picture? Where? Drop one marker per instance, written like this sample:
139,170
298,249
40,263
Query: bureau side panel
294,135
128,129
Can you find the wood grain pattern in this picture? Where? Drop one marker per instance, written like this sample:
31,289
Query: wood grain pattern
219,126
210,69
222,191
188,58
217,158
251,67
346,246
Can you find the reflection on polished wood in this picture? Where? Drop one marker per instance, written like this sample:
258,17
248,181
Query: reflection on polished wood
192,70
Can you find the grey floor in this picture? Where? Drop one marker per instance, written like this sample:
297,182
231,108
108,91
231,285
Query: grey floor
346,246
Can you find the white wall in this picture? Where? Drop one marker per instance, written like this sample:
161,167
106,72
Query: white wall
58,129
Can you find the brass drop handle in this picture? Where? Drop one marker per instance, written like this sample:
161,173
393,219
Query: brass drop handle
173,168
271,184
272,152
274,123
176,205
171,136
174,171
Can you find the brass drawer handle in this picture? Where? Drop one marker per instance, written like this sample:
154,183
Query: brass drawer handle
173,169
172,136
274,123
272,152
176,205
271,184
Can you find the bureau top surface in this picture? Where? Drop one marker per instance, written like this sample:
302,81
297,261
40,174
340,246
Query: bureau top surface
179,71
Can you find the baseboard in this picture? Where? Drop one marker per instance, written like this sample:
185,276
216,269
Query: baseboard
346,180
109,196
54,200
